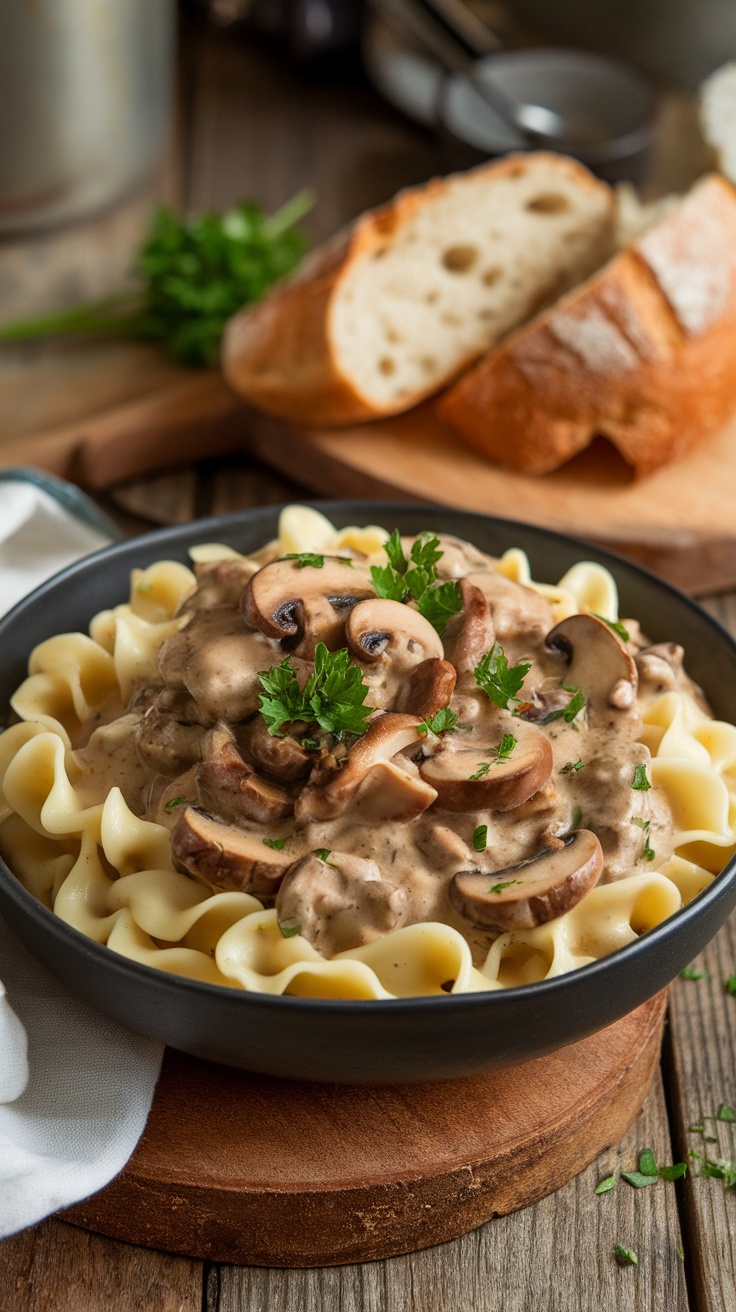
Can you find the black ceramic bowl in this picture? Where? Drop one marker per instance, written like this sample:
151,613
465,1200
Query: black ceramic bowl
369,1042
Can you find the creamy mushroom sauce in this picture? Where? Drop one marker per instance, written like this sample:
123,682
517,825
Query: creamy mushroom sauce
381,872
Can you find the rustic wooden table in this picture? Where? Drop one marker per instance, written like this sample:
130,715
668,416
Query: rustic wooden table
248,127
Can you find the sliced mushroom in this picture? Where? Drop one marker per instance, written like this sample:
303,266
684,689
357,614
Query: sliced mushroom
595,660
227,786
533,892
339,903
169,735
370,780
225,857
381,628
305,605
217,660
283,759
472,633
429,689
219,583
471,778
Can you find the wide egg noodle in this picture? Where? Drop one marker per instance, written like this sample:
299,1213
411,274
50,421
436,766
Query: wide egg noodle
110,874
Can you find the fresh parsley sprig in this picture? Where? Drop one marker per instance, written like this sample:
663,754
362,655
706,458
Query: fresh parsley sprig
443,721
415,579
193,275
498,680
333,696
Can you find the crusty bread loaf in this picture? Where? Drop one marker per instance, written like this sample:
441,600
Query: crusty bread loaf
397,306
644,352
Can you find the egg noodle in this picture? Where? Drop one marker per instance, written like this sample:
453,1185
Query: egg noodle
110,874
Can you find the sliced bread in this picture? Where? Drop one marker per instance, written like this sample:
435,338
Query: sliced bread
644,352
395,308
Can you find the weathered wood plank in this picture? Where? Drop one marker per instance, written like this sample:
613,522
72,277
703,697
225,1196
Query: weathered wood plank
56,1267
557,1255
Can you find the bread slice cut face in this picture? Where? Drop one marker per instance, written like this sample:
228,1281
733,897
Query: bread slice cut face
397,307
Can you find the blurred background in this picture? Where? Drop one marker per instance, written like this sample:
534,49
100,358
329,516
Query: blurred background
110,107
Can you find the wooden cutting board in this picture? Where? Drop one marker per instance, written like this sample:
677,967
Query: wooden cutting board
244,1168
680,521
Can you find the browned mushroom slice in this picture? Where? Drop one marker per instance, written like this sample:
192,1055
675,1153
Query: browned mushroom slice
596,661
225,857
231,789
282,758
340,902
472,633
381,628
169,735
533,892
370,780
471,779
429,689
307,605
217,660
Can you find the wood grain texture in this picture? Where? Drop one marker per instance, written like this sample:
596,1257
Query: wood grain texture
556,1256
59,1268
320,1174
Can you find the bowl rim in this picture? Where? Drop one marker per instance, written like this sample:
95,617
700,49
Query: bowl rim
187,534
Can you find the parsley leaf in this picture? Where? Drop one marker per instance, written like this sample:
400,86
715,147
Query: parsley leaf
177,801
571,711
648,1162
333,695
287,930
571,766
692,972
440,603
443,721
395,552
616,625
625,1256
508,743
730,986
480,838
640,782
388,583
416,579
302,559
193,275
323,854
481,772
638,1179
498,888
677,1171
649,852
275,843
498,680
726,1113
606,1185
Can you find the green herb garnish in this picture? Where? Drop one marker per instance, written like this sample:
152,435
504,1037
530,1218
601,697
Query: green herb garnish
333,695
193,275
625,1256
481,772
415,579
323,854
571,711
508,743
287,930
726,1113
649,852
692,972
443,721
648,1162
480,838
577,818
730,986
439,604
640,782
677,1171
498,680
177,801
310,744
616,625
275,843
638,1178
302,559
606,1185
571,766
498,888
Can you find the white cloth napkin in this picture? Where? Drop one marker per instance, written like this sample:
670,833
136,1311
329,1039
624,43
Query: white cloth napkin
75,1088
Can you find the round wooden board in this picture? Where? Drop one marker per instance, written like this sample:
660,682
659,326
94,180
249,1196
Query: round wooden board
245,1168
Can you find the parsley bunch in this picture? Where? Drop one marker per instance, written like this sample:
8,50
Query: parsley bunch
415,579
333,696
193,275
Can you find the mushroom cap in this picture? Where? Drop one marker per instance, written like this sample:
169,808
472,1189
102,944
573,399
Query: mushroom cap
473,633
533,892
282,758
505,784
393,793
429,689
225,857
379,627
307,604
596,660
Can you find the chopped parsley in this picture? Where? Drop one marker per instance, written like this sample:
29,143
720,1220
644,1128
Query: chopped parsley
639,1179
498,888
648,1162
606,1185
640,783
571,711
692,972
616,625
333,695
480,838
302,559
649,852
443,721
310,744
275,843
625,1256
640,821
726,1113
508,743
649,1173
323,854
730,986
572,766
481,772
415,579
177,801
499,681
677,1171
287,930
